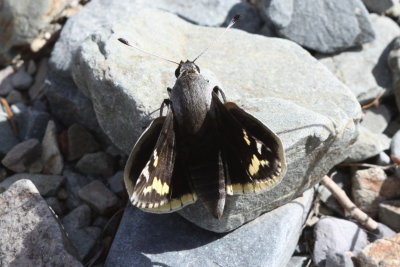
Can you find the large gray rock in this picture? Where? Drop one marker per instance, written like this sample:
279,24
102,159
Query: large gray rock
366,71
168,240
323,26
22,21
314,114
29,233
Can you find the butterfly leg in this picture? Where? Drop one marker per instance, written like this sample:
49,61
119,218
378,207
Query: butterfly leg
166,102
217,90
169,90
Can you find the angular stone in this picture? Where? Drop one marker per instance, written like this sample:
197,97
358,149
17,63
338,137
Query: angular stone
47,185
389,214
367,145
32,122
326,27
84,239
99,163
338,259
55,205
383,252
75,182
31,67
250,19
372,186
366,71
21,80
78,218
20,157
298,261
170,240
379,6
315,133
99,197
8,138
14,97
381,232
51,156
38,86
333,234
3,173
80,142
376,119
29,233
116,183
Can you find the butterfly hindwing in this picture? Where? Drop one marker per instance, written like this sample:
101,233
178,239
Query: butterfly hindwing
253,155
156,177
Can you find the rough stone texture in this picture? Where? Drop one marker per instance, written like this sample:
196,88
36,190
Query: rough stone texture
376,119
366,71
326,27
32,122
21,80
389,214
367,145
379,6
381,232
46,184
14,97
29,233
383,252
250,18
8,139
338,259
78,218
320,125
55,205
336,235
22,21
80,142
116,183
38,86
343,180
99,197
372,186
84,239
168,240
74,183
298,261
51,157
21,156
99,163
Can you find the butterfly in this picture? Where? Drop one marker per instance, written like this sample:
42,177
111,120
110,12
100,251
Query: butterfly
204,149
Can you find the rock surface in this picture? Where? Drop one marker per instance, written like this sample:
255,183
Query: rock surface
389,214
99,197
99,163
51,157
314,133
366,71
336,235
21,156
166,239
80,142
383,252
8,138
326,27
379,6
29,233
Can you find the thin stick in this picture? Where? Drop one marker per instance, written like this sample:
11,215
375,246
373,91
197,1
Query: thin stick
348,205
10,115
374,102
367,165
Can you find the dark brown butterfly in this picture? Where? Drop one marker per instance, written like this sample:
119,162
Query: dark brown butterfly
202,149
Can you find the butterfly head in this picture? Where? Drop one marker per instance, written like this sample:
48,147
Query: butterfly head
187,68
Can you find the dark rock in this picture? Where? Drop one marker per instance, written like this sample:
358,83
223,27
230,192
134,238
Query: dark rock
78,218
84,239
21,156
99,197
5,80
116,183
389,214
55,205
32,123
51,156
21,80
8,138
75,182
381,232
99,163
37,89
250,19
379,6
80,142
298,261
14,97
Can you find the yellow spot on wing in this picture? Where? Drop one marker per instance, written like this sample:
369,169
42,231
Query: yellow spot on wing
246,137
155,161
158,186
254,165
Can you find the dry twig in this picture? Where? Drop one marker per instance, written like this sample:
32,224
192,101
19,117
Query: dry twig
348,205
10,115
374,102
367,165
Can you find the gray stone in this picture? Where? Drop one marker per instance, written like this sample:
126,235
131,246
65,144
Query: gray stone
343,180
37,89
337,235
367,145
100,221
326,27
5,80
31,67
389,214
116,183
366,71
379,6
99,197
21,156
14,97
29,233
22,22
298,261
84,239
78,218
169,240
75,182
376,119
383,159
372,186
21,80
32,123
8,138
395,144
47,185
80,142
55,205
51,157
381,232
250,19
315,133
3,173
99,163
338,259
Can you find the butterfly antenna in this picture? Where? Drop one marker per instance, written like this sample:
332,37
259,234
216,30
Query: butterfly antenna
233,21
125,42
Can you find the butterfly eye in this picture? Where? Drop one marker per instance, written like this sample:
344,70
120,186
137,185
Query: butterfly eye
178,71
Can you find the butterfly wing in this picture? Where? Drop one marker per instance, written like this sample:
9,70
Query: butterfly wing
253,155
154,174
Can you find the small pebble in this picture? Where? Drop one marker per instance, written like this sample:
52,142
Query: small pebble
21,80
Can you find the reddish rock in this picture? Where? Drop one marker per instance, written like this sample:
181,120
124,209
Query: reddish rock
371,187
383,252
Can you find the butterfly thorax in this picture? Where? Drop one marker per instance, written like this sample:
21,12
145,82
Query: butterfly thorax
191,98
